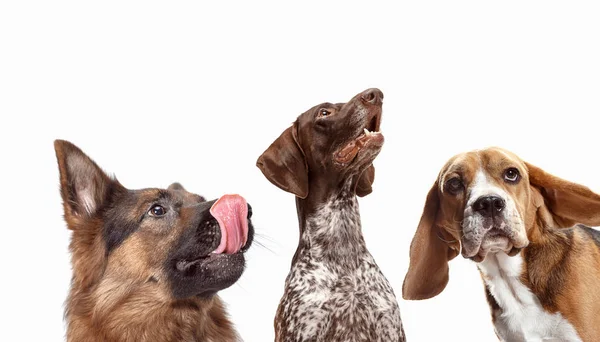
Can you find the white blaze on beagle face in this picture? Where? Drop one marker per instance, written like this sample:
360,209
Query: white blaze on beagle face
489,194
491,221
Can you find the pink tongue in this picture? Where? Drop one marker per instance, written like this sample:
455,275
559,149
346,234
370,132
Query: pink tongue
231,211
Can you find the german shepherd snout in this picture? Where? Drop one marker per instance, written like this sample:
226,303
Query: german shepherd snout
147,264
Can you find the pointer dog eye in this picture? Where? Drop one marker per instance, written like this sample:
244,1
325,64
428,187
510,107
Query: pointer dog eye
323,113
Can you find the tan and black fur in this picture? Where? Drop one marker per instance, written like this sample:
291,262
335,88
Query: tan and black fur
141,273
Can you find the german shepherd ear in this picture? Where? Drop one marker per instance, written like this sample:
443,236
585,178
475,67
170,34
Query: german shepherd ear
569,203
430,252
176,186
284,163
83,185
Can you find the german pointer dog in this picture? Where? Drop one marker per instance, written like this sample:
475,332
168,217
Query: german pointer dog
541,273
335,290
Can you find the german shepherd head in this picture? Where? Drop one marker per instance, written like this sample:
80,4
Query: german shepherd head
147,264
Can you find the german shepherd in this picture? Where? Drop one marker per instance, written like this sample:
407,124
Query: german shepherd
147,264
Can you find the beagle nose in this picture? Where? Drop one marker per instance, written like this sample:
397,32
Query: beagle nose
487,206
373,96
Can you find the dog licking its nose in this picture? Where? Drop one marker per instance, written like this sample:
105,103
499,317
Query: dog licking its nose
231,212
152,259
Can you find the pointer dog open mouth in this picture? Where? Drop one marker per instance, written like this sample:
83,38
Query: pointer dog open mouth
371,138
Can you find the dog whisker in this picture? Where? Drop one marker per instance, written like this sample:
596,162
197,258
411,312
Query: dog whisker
239,284
264,246
264,240
265,237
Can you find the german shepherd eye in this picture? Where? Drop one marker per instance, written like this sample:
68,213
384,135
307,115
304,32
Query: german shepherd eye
157,211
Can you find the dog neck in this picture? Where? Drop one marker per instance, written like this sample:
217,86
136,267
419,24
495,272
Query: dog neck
331,227
139,318
517,311
518,286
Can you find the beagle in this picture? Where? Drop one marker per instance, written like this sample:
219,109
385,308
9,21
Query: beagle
541,273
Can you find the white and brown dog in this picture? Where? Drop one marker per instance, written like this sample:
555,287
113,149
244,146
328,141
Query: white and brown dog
516,222
335,292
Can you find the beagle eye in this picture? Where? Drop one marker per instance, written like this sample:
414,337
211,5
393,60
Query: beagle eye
512,175
323,113
157,211
454,185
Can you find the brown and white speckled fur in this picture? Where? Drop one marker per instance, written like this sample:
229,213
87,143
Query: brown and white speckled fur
335,290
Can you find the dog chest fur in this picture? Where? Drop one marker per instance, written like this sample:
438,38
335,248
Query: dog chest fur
335,290
521,316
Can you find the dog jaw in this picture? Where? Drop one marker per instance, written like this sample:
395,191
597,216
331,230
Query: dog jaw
366,141
369,139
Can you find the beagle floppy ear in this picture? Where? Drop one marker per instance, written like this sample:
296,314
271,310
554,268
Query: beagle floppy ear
365,182
569,203
284,164
427,274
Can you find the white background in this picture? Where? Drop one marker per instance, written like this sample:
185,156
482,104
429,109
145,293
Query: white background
182,91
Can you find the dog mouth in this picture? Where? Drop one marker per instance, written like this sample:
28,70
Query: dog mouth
231,214
370,139
185,265
207,275
190,266
495,240
210,257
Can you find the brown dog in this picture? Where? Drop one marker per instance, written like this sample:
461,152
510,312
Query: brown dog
515,221
147,264
334,291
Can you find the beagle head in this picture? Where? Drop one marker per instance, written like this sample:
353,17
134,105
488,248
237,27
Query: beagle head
489,201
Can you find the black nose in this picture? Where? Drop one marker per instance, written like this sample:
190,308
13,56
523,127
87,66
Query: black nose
488,205
249,211
372,96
